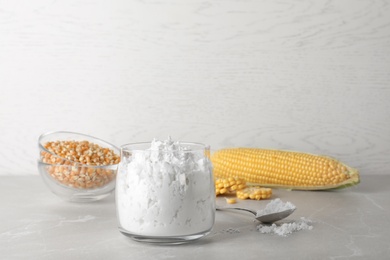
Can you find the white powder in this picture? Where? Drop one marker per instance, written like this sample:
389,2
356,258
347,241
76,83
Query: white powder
166,190
275,206
286,228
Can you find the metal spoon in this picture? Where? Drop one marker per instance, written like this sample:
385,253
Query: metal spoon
265,218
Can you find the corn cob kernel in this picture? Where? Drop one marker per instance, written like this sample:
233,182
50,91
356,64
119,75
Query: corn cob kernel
254,193
275,168
228,185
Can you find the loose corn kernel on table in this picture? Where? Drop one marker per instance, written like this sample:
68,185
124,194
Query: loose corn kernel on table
349,223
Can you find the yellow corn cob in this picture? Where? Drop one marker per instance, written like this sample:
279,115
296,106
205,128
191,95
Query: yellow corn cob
284,169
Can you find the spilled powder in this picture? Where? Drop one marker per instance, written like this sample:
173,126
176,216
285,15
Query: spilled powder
286,228
230,231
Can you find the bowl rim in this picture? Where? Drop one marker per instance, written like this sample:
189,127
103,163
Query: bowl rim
41,147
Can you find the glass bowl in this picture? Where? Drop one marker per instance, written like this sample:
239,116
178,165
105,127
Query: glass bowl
74,179
79,183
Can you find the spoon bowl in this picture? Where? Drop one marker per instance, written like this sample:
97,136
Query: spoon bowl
264,218
276,216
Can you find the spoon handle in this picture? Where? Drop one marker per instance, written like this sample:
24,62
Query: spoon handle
243,209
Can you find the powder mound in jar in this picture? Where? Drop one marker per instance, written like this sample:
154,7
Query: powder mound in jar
276,205
286,228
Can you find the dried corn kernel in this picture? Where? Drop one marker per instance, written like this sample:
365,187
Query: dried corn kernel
231,200
83,152
228,185
254,193
73,163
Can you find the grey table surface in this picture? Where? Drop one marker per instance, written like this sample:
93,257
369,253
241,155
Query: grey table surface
353,223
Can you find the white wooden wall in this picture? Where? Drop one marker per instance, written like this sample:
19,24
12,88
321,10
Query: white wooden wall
312,76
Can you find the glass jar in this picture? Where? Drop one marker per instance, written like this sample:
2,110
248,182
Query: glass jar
165,192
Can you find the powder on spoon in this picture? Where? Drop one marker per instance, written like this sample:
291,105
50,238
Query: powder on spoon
276,205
